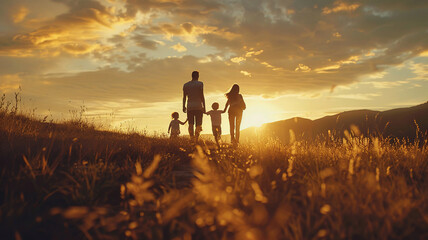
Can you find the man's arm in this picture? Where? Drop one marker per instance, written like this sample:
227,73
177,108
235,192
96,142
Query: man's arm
203,99
184,101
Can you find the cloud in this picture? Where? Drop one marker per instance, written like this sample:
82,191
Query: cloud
306,38
385,84
16,15
9,83
144,42
340,6
253,53
245,73
187,31
420,70
237,59
325,42
179,48
302,68
76,31
377,75
79,47
156,81
20,14
161,80
188,8
29,65
358,96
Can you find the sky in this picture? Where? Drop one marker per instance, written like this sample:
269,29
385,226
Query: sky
125,61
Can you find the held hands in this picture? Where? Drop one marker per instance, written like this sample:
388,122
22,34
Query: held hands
182,123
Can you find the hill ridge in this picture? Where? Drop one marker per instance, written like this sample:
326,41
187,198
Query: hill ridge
397,122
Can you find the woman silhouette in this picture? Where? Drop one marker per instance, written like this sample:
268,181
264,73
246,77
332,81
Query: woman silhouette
237,106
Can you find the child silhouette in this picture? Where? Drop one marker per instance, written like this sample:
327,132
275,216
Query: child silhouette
215,115
174,125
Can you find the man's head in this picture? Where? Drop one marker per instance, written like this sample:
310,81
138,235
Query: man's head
195,75
215,106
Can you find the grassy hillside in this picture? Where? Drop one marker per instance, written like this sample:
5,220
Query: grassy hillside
404,123
71,181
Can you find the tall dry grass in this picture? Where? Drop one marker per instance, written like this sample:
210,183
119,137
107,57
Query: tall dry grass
72,181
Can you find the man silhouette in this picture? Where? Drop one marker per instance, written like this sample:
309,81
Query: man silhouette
194,92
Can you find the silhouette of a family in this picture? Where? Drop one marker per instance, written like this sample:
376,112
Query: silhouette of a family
194,106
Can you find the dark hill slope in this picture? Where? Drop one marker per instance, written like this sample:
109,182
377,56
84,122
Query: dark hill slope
400,123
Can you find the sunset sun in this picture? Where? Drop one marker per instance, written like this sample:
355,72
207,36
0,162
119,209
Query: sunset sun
258,113
254,120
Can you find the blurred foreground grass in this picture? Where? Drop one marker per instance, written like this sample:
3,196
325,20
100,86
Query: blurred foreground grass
71,181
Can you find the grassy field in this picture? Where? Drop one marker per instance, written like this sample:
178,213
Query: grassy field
71,181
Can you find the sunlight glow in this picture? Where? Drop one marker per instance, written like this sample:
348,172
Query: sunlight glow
257,113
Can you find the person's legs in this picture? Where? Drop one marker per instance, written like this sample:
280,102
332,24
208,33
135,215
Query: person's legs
191,133
198,119
191,119
219,132
238,125
216,134
214,131
232,126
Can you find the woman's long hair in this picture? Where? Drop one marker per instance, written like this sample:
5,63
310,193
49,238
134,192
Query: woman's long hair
233,92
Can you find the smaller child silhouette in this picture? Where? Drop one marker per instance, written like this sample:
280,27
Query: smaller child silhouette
215,115
174,125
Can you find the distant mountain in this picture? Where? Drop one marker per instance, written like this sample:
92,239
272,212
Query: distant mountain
400,123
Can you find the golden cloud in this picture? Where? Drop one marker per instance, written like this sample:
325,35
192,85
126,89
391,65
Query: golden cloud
328,69
302,68
189,32
253,53
179,48
245,73
420,70
20,14
238,59
79,48
79,31
341,7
